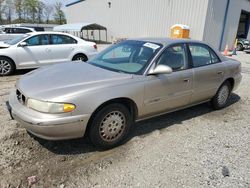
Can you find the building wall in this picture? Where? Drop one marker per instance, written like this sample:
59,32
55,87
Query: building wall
141,18
215,21
235,8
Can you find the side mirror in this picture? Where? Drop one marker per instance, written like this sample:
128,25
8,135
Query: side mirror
23,44
161,69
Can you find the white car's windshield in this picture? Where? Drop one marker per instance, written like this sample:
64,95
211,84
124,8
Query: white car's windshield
129,56
17,39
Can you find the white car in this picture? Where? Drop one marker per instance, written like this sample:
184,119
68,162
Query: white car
10,33
37,49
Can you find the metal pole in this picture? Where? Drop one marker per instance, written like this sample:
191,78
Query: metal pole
106,35
99,35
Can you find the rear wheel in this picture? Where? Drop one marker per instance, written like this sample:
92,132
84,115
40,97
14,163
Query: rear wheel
80,57
110,126
220,100
7,66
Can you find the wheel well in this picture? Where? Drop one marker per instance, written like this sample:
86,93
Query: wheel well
80,54
128,103
9,59
231,81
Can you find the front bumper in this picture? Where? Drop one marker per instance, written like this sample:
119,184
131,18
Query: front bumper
47,126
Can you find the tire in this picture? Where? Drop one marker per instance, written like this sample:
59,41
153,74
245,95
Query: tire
220,100
239,47
80,57
110,126
7,66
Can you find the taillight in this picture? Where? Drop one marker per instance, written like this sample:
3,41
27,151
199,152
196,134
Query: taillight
95,46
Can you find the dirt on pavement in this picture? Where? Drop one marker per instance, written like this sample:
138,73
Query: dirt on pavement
195,147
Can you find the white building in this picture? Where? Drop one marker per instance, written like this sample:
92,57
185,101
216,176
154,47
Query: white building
215,21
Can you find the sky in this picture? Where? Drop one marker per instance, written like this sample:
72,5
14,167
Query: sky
64,2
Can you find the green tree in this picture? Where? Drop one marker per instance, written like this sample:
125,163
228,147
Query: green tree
59,14
48,10
19,10
31,7
9,9
40,11
2,2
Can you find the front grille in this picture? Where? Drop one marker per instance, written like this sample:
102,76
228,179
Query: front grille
20,97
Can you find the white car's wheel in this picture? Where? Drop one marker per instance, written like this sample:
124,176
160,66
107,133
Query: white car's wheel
7,66
80,57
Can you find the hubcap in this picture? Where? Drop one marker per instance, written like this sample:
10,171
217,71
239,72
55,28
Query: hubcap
223,95
80,58
4,67
112,126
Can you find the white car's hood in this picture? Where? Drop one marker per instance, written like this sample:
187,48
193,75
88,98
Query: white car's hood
48,82
4,45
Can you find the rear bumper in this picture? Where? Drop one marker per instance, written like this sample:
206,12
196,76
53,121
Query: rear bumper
47,126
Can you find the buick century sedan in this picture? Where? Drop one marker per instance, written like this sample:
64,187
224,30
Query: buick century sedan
130,81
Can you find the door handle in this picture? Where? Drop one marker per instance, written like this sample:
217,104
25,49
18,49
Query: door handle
220,72
186,80
48,50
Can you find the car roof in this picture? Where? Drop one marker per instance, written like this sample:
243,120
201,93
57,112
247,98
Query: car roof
167,41
20,28
48,32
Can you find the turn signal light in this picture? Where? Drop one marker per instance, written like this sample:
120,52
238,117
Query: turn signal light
68,107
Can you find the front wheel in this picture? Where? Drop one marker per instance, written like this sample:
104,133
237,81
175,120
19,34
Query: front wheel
220,100
110,126
7,66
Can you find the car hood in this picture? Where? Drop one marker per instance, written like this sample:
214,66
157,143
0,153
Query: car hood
4,45
51,82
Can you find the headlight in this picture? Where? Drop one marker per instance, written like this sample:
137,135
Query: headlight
246,42
50,107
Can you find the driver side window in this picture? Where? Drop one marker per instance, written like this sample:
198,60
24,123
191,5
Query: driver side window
174,57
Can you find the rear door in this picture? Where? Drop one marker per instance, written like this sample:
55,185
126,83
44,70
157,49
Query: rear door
62,47
167,92
208,71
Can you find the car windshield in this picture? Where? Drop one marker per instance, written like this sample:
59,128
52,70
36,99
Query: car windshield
17,39
129,56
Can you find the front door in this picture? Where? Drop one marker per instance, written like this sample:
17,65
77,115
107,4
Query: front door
36,53
166,92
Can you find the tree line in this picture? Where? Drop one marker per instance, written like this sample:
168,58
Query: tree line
31,11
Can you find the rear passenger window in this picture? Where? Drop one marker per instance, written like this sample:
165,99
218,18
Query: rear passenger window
174,57
202,55
62,39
